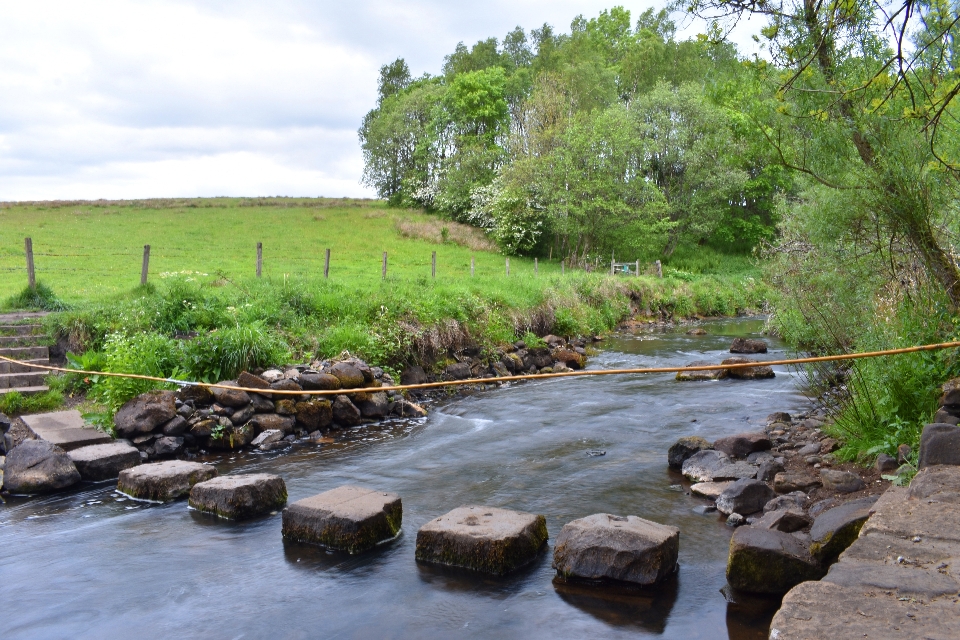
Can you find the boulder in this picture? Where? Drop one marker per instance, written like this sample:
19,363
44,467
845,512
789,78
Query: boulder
350,518
715,466
742,444
840,481
167,446
769,469
38,466
162,481
145,413
758,372
811,449
407,409
16,433
319,382
744,497
748,345
233,437
176,426
795,500
285,384
709,374
684,448
485,539
375,406
241,416
711,490
230,397
345,413
104,461
835,529
939,444
569,358
203,428
618,548
950,393
768,561
269,421
945,416
249,381
779,416
457,371
286,407
790,481
194,394
939,483
261,404
553,341
315,414
349,376
240,496
414,374
266,439
786,520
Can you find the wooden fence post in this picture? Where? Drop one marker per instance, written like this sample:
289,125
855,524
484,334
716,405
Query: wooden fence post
31,274
536,267
146,265
563,267
383,274
326,266
659,269
471,266
612,265
433,265
638,269
259,259
508,266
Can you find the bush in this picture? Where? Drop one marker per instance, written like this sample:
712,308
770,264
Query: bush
41,298
224,353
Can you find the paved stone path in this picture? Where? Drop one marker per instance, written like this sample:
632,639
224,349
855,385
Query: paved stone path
66,429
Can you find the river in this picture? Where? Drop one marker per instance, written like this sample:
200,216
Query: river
92,564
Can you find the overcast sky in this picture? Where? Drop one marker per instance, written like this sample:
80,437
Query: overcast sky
135,99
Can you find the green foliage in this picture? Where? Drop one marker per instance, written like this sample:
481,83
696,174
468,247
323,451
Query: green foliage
224,353
148,354
15,403
40,298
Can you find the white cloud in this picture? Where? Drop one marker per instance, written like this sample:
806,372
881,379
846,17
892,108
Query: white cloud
125,98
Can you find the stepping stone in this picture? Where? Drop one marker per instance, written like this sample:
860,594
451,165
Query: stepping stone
483,539
709,374
65,429
104,461
350,518
38,466
765,561
240,496
624,549
162,481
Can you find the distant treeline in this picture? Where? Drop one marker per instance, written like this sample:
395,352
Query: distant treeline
611,138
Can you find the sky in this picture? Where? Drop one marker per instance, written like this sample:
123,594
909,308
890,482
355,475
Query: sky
136,99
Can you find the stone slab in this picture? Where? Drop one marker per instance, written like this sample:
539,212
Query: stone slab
104,461
901,517
65,429
162,481
710,490
349,518
485,539
240,496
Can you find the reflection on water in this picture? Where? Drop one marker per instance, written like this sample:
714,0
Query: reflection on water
93,564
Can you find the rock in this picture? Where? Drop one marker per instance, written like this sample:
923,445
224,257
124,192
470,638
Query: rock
230,397
5,423
457,371
758,372
104,461
144,413
286,407
350,377
376,406
748,345
624,549
345,414
203,428
809,450
269,421
950,392
697,331
821,505
710,490
779,416
167,446
414,374
350,518
261,404
767,561
240,496
315,414
684,448
267,438
735,520
569,358
272,375
786,520
796,500
406,409
241,416
285,384
16,433
940,443
841,481
715,466
835,529
939,483
319,382
769,469
553,340
744,497
709,374
195,394
485,539
743,444
162,481
250,381
903,454
233,437
829,445
790,481
38,466
176,426
945,417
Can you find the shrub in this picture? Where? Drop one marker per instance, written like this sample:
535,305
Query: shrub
41,298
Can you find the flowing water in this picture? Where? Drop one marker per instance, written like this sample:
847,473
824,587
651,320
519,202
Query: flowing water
91,564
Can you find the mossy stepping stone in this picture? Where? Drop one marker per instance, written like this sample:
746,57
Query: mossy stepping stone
240,496
349,518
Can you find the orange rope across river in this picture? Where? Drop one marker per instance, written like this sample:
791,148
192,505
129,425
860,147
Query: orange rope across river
529,376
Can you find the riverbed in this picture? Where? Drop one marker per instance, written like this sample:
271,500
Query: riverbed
93,564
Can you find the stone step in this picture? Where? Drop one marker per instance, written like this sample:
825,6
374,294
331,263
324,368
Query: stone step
20,329
17,380
19,317
25,353
26,391
66,429
23,340
16,367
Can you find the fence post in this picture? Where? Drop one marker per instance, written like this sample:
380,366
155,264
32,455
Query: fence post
612,265
659,269
146,265
536,267
471,266
508,266
383,274
259,259
326,266
433,265
563,267
31,274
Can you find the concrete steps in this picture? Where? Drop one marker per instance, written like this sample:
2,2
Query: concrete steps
21,339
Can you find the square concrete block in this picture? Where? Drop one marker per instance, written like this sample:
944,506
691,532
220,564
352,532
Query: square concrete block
484,539
162,481
66,429
353,519
104,461
240,496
